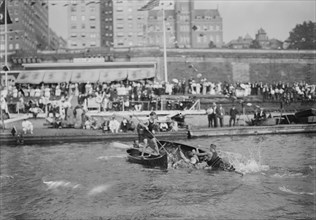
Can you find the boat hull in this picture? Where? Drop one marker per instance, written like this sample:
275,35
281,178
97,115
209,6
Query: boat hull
160,161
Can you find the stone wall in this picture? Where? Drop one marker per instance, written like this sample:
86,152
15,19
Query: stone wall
214,64
236,65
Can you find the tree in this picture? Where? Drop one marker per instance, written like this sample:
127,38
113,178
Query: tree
255,45
211,45
303,36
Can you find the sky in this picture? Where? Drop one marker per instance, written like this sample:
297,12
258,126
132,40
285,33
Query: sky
240,17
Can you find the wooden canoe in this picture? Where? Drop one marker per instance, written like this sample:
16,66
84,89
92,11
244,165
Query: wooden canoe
171,148
160,161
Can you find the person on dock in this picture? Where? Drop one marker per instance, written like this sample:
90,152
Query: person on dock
233,112
27,126
259,115
214,115
209,113
220,115
114,125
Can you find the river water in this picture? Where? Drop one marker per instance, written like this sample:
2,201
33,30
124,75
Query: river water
94,181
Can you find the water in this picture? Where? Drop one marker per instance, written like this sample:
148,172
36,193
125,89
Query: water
94,181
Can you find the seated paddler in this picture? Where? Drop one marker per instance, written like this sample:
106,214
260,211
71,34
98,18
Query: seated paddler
214,161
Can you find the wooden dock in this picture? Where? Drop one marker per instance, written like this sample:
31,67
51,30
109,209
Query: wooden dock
253,130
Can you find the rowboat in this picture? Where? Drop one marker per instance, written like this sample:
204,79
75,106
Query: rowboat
134,155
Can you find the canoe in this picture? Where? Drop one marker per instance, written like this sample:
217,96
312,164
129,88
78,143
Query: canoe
306,113
152,161
171,148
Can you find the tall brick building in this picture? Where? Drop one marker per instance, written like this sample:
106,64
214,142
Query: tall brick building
186,26
29,30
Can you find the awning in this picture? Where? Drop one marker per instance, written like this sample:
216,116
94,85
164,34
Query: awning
110,75
84,76
57,76
141,73
31,77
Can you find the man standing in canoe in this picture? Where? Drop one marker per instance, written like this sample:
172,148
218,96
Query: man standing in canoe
149,130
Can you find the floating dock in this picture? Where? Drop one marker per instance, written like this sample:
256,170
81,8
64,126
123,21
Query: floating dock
253,130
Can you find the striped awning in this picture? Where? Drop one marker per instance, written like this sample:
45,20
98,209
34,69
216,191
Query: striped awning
60,76
84,76
31,77
110,75
140,73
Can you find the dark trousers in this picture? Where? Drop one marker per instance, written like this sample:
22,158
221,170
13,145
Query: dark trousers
210,122
232,119
221,121
214,120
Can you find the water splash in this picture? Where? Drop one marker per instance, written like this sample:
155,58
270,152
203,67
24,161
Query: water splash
246,164
6,177
284,189
302,173
120,145
99,189
60,184
111,157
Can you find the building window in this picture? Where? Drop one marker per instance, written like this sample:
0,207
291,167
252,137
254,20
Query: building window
83,26
83,18
16,20
73,26
17,46
92,9
73,18
10,46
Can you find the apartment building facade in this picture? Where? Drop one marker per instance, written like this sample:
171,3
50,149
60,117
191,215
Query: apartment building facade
129,24
120,23
186,27
29,30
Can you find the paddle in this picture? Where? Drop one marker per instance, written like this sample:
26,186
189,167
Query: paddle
162,146
240,173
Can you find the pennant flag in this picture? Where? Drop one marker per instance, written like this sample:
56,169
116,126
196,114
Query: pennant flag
150,5
2,14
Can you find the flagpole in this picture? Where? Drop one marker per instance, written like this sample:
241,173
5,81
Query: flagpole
164,45
48,31
5,44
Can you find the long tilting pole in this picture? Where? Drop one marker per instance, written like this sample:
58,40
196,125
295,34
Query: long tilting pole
164,45
5,43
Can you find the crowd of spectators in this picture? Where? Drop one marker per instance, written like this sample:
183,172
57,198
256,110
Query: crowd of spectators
145,94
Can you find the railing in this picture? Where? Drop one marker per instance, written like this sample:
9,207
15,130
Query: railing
152,105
